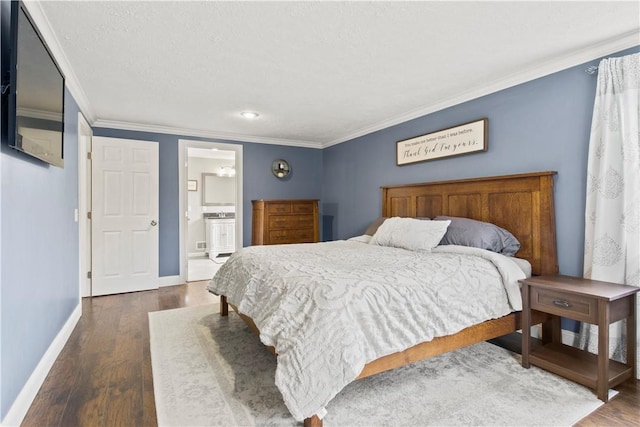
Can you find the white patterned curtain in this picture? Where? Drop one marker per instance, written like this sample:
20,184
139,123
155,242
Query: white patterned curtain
612,216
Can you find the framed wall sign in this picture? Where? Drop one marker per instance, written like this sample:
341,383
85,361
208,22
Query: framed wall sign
462,139
192,185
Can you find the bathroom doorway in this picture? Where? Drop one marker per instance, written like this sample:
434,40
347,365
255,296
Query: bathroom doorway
212,207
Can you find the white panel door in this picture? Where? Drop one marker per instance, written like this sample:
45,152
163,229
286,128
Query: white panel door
124,215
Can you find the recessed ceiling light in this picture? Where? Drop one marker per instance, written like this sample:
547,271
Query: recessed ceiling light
249,114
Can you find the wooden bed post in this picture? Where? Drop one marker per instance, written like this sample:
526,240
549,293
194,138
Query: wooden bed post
313,422
224,306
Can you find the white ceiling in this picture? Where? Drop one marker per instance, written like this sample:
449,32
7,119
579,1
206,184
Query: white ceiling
318,73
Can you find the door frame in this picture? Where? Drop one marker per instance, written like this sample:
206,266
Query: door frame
183,146
85,134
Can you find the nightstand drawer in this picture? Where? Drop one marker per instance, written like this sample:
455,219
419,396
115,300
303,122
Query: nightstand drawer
576,307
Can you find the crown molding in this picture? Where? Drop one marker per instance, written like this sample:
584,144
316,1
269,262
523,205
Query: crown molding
203,134
71,80
590,53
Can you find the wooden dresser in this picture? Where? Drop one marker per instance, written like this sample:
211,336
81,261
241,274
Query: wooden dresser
278,222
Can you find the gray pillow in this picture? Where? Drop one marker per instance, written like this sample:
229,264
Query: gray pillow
373,227
479,234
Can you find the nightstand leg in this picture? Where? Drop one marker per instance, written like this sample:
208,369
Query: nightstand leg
547,331
631,337
556,329
526,326
602,387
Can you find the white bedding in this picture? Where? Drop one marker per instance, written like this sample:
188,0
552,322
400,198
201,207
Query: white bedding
330,308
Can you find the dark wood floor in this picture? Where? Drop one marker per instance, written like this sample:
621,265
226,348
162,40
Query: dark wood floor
103,375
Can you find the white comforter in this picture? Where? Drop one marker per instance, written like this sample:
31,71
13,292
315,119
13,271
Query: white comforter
330,308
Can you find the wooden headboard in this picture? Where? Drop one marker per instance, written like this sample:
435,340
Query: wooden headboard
522,204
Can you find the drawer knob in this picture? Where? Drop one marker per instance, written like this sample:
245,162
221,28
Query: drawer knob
561,303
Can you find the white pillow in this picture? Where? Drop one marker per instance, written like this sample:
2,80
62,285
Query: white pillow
362,239
410,233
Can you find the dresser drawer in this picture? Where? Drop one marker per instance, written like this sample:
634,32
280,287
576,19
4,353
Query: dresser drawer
279,208
576,307
280,237
278,222
303,208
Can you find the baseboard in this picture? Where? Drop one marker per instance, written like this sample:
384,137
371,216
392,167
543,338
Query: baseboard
19,409
196,254
169,281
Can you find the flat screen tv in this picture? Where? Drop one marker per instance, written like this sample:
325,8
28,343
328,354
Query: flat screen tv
36,92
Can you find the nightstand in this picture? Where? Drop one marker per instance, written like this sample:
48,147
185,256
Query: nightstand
590,301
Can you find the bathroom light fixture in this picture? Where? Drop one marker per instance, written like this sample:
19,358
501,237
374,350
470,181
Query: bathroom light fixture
227,171
280,168
249,114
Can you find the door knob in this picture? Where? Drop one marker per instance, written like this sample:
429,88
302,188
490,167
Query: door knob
153,223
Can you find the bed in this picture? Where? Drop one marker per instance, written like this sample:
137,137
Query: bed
522,204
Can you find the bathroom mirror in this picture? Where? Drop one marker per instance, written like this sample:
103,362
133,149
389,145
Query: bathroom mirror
218,190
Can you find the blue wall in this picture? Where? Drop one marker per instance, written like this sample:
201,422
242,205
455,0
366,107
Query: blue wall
304,181
39,286
259,183
540,125
39,256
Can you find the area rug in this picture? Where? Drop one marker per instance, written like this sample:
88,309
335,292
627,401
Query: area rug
210,370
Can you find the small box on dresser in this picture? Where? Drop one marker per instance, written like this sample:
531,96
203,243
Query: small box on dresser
284,221
591,301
